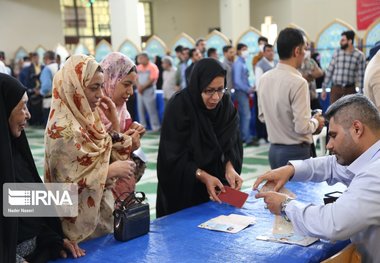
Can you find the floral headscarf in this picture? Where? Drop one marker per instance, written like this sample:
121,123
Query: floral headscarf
78,149
115,67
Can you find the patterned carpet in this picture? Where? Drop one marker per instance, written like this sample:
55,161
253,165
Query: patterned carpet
255,162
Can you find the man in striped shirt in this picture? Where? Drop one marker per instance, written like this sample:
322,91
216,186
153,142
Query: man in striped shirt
346,69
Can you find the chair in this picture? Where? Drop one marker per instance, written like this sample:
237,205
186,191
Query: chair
347,255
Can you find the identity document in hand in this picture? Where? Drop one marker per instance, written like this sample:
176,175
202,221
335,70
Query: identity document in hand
233,197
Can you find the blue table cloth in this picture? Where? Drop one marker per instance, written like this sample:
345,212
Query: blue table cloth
177,237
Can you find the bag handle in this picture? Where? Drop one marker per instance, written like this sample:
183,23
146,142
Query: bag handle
132,198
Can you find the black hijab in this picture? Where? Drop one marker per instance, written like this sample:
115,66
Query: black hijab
194,137
11,92
17,165
223,119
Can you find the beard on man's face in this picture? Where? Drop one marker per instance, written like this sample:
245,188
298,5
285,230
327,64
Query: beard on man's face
344,46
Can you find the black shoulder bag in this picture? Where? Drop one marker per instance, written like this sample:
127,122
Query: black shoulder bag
131,217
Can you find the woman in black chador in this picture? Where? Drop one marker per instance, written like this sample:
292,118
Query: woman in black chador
31,239
200,147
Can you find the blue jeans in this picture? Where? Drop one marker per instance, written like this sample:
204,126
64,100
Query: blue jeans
244,111
280,154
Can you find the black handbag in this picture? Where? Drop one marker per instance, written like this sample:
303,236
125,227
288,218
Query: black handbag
131,217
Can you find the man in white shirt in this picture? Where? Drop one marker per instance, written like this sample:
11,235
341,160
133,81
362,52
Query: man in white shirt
265,64
372,80
3,65
3,69
168,78
284,103
354,131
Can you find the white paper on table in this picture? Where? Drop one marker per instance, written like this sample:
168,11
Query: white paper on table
232,223
280,225
282,230
288,239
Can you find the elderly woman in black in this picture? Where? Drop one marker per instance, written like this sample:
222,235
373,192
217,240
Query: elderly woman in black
24,239
200,147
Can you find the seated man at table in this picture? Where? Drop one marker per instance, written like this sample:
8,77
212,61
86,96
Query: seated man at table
355,145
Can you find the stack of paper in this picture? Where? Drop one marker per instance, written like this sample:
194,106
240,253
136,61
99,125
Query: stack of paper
282,230
232,223
288,239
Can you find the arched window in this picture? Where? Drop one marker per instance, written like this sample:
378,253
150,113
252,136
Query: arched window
155,47
372,36
184,40
103,48
129,49
217,40
329,38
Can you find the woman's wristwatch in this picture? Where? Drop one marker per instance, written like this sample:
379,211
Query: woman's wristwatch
283,207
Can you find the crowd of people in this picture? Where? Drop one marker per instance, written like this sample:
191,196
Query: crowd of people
344,74
90,137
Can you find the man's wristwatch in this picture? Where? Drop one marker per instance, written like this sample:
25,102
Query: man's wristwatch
283,207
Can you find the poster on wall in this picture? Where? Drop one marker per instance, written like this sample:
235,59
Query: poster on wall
367,11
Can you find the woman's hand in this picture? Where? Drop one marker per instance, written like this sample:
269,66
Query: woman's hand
121,169
73,247
233,178
109,109
138,127
134,134
211,183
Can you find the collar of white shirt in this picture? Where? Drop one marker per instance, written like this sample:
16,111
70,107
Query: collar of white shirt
286,67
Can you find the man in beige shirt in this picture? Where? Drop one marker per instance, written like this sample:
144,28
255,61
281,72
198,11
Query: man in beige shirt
372,80
284,103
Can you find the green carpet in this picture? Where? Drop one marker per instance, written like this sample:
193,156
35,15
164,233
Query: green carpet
255,162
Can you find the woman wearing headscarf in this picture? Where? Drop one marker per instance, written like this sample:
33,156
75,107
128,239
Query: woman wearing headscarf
37,239
119,78
200,149
79,149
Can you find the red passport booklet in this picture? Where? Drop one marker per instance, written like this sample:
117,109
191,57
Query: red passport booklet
233,197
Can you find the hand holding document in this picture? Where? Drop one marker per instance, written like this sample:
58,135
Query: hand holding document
282,230
269,186
233,197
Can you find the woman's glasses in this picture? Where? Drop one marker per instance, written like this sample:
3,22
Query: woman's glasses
211,92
